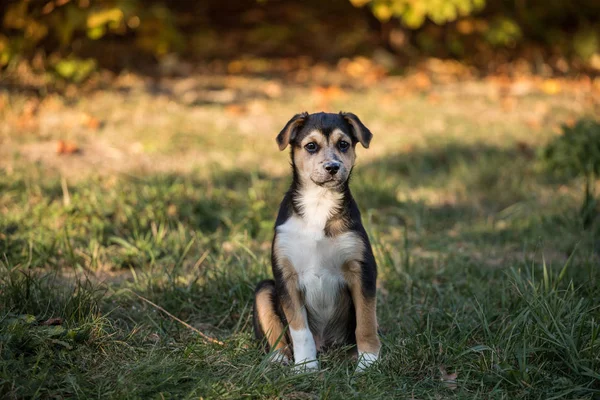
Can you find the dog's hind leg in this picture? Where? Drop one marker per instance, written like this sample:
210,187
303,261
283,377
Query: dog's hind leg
268,322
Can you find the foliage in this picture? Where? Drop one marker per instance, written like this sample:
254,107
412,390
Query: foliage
75,69
577,153
414,13
65,28
115,32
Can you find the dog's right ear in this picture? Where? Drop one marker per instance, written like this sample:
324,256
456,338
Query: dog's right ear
289,131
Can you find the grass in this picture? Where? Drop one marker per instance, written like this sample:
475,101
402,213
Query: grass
489,285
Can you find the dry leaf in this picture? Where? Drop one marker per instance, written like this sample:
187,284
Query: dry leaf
52,321
66,147
90,122
422,81
235,109
449,380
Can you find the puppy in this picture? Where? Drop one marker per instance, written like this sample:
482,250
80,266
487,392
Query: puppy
323,266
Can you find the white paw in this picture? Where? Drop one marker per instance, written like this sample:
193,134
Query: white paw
305,351
279,357
365,360
306,366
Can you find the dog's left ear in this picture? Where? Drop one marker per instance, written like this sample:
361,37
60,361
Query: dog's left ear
289,131
360,131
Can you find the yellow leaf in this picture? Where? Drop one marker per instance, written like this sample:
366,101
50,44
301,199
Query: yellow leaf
382,12
359,3
96,32
103,17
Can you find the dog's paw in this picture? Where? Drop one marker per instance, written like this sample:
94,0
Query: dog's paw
306,366
279,357
365,360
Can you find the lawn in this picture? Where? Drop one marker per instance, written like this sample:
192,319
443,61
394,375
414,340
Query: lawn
117,259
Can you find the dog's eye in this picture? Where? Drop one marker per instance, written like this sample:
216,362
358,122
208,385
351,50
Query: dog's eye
343,145
311,147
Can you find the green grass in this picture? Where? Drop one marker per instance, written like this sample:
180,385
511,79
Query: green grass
485,269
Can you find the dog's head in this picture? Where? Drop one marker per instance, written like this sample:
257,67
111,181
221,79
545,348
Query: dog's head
323,146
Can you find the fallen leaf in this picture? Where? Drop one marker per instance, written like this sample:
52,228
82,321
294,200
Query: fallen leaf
52,321
235,109
66,147
448,380
422,81
90,122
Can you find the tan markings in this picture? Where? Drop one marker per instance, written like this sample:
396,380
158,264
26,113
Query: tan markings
314,136
270,322
338,135
366,311
305,162
336,227
349,157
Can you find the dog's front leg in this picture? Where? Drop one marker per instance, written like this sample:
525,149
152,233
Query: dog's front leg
305,350
363,291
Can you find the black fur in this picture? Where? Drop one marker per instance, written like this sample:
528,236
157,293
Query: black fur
302,125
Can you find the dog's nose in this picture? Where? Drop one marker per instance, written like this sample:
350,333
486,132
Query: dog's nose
332,167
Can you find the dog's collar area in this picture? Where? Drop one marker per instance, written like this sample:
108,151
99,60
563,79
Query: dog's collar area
317,206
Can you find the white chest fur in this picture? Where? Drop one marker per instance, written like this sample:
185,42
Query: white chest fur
317,261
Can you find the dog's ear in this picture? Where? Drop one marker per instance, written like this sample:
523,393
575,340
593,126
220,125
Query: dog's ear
289,131
359,130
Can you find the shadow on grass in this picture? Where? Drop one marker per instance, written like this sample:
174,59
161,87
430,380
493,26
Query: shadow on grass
197,246
136,222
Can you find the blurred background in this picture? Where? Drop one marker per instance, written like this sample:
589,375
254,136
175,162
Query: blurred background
74,38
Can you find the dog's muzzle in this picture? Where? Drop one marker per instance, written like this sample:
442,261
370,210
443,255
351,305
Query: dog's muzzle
332,167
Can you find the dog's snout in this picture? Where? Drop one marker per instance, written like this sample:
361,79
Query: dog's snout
332,167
